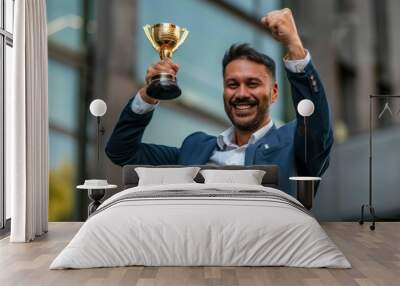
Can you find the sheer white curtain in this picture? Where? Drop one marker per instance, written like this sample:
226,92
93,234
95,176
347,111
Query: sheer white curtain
27,124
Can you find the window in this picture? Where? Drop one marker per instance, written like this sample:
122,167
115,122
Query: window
69,24
63,138
6,43
64,23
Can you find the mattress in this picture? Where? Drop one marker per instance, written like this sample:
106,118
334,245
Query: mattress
201,225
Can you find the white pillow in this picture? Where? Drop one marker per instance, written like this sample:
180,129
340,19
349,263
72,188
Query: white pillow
166,176
248,177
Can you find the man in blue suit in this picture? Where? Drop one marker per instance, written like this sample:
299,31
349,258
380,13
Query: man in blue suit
250,89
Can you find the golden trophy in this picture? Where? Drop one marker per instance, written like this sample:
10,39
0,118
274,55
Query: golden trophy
165,39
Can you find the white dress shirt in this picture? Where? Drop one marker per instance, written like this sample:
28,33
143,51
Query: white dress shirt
227,152
297,66
140,106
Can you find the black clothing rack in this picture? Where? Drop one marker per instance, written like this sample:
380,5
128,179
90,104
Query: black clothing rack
370,205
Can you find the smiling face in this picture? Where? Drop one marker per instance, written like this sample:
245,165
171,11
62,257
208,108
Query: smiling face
249,91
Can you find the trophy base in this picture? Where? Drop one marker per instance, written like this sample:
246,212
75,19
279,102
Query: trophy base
163,89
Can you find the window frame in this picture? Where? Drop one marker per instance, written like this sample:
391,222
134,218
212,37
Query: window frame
6,39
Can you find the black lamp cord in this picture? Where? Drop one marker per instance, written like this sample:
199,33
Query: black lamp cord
98,139
305,139
100,132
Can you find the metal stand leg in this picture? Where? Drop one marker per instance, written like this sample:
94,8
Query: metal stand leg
372,212
369,206
95,196
362,215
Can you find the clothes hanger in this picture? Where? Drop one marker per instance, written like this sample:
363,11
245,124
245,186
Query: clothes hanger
386,107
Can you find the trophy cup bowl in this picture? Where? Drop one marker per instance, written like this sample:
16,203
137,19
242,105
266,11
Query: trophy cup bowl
165,39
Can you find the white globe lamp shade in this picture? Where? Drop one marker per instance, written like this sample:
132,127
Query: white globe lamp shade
98,107
305,107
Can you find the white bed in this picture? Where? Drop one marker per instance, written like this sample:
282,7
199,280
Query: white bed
222,225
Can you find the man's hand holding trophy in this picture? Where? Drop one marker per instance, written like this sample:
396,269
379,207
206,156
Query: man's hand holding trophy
161,80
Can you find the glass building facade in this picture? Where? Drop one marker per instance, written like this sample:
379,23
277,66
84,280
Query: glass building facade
67,65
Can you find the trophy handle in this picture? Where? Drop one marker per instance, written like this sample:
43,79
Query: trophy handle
147,31
184,34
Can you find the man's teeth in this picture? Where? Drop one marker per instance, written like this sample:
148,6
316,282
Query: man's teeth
242,106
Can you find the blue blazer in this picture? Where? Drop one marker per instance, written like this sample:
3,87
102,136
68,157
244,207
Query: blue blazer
285,145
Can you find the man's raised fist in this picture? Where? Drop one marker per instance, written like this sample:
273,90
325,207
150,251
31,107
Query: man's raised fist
283,28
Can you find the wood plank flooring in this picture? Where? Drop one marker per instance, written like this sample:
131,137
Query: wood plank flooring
375,257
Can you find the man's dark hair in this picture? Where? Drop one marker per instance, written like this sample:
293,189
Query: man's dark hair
245,51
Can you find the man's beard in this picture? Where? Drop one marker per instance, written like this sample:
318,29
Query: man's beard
256,122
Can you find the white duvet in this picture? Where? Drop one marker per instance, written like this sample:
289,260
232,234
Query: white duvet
206,230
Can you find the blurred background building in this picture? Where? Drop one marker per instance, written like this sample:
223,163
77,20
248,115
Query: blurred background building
97,49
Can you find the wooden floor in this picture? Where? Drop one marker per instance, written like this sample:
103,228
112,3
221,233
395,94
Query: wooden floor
375,256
